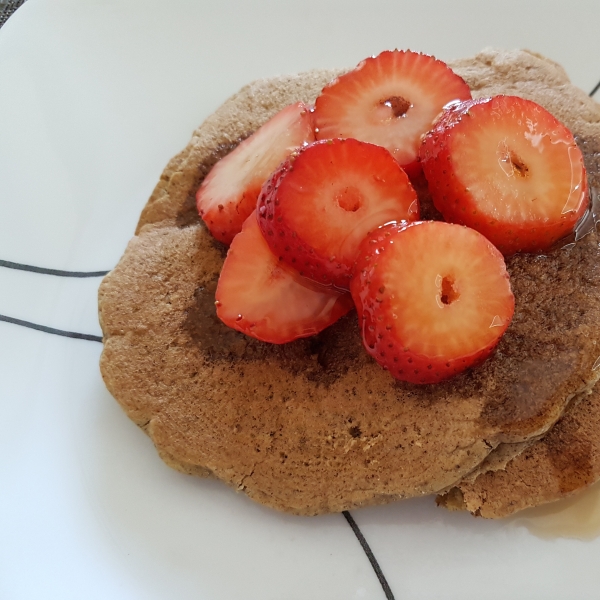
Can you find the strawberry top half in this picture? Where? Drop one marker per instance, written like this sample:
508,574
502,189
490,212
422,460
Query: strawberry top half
389,100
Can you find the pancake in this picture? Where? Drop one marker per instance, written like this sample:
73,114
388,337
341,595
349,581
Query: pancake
565,461
316,426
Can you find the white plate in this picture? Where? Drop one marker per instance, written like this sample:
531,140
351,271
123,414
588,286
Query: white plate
95,97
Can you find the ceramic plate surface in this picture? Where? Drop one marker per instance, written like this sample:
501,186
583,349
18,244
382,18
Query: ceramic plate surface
95,98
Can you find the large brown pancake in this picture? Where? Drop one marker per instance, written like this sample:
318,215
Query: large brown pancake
316,426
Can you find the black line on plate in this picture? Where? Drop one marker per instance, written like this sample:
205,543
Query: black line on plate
595,89
7,8
70,334
370,555
20,267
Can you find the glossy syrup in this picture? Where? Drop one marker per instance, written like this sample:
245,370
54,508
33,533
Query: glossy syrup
576,517
586,224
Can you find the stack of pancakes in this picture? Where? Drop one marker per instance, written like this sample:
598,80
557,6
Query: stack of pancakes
316,425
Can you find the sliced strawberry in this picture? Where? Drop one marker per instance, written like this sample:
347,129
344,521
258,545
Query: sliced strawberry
228,194
507,168
390,100
433,299
262,297
320,204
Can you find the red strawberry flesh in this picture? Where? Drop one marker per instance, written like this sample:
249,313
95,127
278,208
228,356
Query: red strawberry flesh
229,192
320,204
506,167
262,297
390,100
433,299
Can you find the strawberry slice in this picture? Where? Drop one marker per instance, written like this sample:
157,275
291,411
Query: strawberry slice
390,100
507,168
228,194
433,299
320,204
263,298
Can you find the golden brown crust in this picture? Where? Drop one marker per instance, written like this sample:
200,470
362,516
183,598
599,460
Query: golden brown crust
316,426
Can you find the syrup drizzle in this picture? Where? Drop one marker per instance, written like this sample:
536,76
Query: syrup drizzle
588,222
576,517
